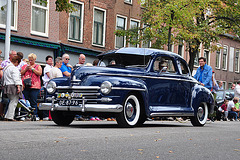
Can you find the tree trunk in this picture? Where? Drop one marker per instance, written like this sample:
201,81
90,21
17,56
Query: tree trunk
169,38
192,54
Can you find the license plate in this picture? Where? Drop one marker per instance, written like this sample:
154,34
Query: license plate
69,102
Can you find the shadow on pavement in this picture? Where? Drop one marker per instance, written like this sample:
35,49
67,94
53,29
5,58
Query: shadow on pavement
115,125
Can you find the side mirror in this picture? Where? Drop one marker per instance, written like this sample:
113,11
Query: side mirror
164,69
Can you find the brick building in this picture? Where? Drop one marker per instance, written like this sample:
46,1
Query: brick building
38,28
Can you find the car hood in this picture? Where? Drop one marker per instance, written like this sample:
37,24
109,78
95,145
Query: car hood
81,72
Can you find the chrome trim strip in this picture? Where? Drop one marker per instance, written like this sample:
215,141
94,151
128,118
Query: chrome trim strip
83,93
160,114
76,80
140,76
79,87
124,88
117,108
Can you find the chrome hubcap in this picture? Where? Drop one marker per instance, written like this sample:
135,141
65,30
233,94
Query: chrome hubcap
129,110
200,112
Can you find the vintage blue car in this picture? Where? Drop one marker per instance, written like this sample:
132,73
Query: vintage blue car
131,84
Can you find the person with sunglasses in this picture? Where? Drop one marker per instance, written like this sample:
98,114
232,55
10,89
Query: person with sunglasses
66,68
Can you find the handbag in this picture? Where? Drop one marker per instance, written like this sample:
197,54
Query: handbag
28,81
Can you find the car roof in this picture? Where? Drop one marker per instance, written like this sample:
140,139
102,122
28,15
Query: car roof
139,51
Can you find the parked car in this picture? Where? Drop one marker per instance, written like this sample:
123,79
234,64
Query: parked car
131,84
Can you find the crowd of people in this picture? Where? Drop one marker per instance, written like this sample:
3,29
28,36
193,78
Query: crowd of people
21,79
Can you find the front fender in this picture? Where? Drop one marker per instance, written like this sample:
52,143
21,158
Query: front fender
202,94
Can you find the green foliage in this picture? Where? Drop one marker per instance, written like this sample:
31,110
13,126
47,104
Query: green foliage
64,5
193,21
61,5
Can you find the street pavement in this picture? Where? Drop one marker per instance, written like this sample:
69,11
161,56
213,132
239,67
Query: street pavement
90,140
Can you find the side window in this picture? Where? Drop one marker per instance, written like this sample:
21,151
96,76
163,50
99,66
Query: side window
184,68
162,62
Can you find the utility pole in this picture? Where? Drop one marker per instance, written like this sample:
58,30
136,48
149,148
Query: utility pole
8,30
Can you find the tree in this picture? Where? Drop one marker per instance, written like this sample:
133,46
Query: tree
61,5
195,22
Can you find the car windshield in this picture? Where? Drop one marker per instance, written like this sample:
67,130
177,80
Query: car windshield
125,60
220,95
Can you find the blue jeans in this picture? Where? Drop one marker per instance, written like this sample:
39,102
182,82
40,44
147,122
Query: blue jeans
31,95
232,114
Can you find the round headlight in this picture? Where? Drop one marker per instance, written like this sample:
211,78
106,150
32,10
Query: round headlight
51,87
106,87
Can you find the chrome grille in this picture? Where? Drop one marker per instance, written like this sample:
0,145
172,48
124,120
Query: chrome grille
77,93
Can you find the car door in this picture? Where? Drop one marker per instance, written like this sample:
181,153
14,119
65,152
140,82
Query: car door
185,86
163,85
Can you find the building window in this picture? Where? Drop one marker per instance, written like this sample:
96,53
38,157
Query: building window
75,22
196,63
128,1
120,25
218,59
224,60
180,48
99,27
146,43
224,85
206,55
40,17
237,60
134,25
3,14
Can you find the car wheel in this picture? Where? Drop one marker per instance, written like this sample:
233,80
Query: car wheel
61,119
200,117
130,115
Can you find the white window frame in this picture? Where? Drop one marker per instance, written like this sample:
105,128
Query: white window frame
219,60
224,84
82,13
124,43
104,26
225,69
14,27
47,19
207,58
127,1
150,43
199,55
237,71
182,51
138,21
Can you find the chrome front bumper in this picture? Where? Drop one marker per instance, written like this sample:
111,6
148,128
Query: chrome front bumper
83,107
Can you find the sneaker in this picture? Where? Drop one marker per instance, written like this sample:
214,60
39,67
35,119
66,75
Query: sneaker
22,119
45,119
97,119
37,119
92,119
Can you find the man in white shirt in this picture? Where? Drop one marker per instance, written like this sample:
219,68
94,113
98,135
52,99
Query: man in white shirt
81,60
55,72
237,90
48,67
